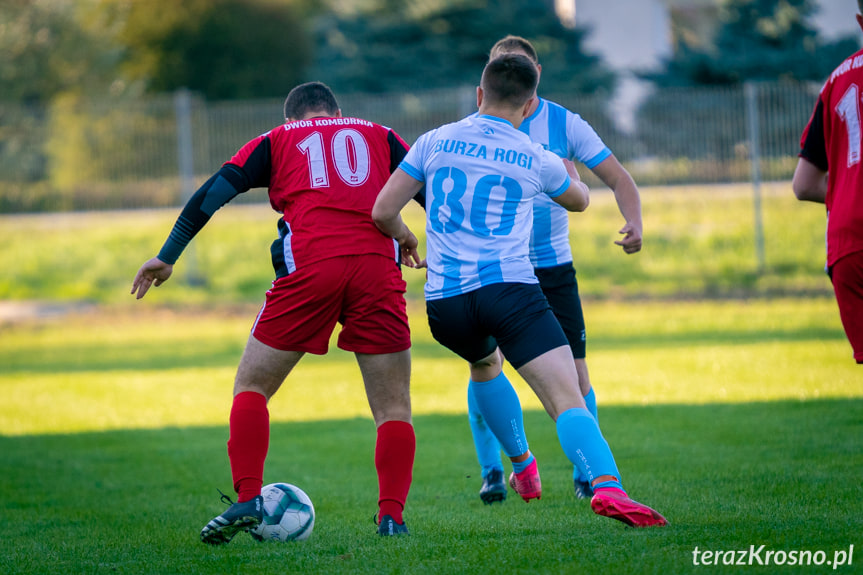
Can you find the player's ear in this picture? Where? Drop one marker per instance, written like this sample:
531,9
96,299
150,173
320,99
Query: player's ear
339,113
526,110
478,96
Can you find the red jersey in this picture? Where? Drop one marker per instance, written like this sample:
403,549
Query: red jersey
832,141
324,175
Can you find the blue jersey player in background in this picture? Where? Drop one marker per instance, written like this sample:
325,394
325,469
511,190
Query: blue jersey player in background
569,136
482,176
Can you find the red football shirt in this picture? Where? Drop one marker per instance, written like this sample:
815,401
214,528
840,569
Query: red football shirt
324,175
832,141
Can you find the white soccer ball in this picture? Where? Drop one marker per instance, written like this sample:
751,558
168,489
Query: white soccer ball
288,514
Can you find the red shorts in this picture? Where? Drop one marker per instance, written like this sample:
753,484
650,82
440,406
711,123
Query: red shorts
364,293
847,276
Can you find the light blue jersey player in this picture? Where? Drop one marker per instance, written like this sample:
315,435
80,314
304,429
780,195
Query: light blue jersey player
481,176
569,136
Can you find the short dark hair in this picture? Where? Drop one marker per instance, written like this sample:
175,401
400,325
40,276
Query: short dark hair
509,44
509,79
310,97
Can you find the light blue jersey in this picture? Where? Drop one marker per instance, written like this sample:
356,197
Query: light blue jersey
481,177
569,136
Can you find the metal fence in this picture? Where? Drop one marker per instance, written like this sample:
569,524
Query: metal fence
85,155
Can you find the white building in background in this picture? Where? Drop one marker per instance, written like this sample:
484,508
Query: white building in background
636,35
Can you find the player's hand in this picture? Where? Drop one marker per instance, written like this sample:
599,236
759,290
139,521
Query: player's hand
153,272
631,241
411,258
408,244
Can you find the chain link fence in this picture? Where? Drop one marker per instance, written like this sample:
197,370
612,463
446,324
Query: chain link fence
86,155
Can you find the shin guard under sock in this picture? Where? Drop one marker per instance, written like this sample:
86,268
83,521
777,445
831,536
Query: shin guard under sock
248,443
584,445
500,407
484,441
394,461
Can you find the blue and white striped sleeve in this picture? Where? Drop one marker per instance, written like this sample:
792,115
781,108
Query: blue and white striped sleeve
584,143
553,175
414,162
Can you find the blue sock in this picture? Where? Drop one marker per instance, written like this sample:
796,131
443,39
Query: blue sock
520,466
614,484
487,446
500,407
590,402
583,444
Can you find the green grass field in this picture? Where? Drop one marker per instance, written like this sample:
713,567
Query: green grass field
740,421
698,242
739,416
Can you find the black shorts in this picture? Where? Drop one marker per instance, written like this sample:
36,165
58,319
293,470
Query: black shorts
514,316
560,287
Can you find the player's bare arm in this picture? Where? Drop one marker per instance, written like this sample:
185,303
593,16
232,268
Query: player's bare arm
576,198
386,213
809,182
618,179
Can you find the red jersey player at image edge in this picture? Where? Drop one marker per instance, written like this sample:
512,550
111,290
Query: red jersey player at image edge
829,171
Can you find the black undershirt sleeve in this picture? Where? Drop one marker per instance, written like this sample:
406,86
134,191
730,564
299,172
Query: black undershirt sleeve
397,153
814,148
220,189
226,184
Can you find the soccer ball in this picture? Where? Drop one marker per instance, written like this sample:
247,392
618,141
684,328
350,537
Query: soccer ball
288,514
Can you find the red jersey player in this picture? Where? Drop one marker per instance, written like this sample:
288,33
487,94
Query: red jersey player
829,171
332,265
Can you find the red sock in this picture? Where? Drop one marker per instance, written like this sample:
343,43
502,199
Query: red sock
248,443
394,461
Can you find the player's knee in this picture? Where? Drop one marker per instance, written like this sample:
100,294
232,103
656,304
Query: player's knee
400,413
242,387
486,368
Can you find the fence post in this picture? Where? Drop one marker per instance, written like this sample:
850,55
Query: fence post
751,94
466,101
186,162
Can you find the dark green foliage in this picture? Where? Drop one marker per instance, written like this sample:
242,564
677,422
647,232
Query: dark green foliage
389,49
224,49
758,40
52,47
22,131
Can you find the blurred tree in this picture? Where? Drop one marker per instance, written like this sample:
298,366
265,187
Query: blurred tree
223,49
48,50
51,47
394,46
757,40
